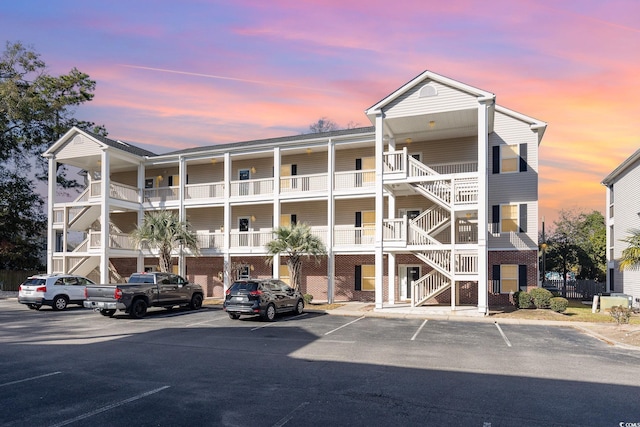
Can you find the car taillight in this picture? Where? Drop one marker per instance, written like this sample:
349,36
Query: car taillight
255,293
228,292
20,288
117,294
41,289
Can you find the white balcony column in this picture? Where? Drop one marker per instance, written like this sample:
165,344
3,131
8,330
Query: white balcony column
182,214
276,205
391,257
331,217
227,220
140,213
483,190
51,233
105,183
378,245
453,254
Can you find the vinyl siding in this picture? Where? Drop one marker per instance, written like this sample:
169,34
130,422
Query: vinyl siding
308,164
311,213
125,221
206,173
447,99
346,159
346,209
209,218
514,188
454,150
626,208
263,167
79,146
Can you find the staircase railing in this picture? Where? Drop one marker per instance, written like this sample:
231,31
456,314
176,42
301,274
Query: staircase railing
429,286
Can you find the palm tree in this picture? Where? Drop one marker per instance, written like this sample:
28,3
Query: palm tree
164,231
631,255
295,241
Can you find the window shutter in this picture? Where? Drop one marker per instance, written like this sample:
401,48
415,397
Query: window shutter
523,157
358,278
496,159
294,170
495,218
358,219
495,278
358,164
523,218
294,219
522,276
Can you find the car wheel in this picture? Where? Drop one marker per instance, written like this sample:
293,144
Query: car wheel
138,309
32,306
299,307
234,316
196,302
59,302
270,313
107,313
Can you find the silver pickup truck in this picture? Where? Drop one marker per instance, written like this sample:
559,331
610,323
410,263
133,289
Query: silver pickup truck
144,290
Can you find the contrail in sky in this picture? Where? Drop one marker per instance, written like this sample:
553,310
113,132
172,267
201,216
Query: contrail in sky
211,76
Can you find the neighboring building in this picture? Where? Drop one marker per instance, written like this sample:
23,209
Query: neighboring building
623,214
436,203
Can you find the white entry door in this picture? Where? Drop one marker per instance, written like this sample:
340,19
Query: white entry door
408,274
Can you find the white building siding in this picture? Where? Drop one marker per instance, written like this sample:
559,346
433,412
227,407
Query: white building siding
514,187
307,164
206,219
626,207
346,159
311,213
447,99
79,146
205,173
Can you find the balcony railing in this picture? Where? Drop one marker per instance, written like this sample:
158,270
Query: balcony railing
252,187
299,183
355,180
466,262
204,191
161,194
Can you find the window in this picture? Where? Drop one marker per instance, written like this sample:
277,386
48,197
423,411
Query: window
509,158
368,165
509,218
508,278
286,172
148,183
365,278
287,220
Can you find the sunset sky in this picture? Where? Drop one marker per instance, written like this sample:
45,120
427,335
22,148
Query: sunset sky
178,74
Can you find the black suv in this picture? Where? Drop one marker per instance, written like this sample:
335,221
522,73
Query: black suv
265,297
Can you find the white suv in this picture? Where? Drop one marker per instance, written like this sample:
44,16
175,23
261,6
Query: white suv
56,290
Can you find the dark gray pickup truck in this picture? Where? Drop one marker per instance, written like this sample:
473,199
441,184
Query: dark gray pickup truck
144,290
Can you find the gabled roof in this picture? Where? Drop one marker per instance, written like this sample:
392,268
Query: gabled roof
124,146
535,124
612,177
377,107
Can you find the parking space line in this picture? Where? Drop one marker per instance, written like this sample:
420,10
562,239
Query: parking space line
503,335
297,316
347,324
108,407
30,379
215,319
263,326
288,417
413,338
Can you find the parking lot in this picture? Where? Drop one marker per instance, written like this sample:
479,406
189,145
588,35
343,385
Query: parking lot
201,368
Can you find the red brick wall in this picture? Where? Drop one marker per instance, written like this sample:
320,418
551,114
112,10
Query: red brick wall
528,258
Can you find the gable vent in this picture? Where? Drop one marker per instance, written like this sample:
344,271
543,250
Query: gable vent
427,91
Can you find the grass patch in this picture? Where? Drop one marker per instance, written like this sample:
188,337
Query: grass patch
576,312
320,306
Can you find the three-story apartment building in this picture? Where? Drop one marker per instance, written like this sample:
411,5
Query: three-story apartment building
435,203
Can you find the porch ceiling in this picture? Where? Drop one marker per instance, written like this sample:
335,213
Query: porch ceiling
93,163
426,127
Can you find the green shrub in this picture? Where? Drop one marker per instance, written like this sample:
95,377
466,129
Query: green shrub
541,297
307,298
524,300
558,304
620,314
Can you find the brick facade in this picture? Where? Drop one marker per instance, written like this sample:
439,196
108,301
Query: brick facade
528,258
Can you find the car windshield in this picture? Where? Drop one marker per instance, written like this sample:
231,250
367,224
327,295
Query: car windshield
34,281
244,287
